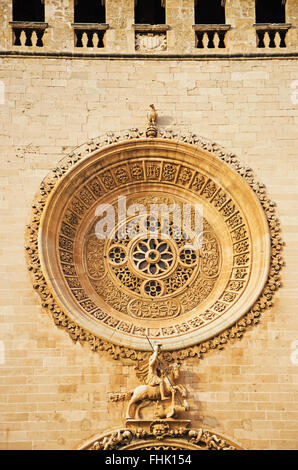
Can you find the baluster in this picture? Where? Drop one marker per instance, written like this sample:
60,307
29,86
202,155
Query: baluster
205,40
23,38
34,38
95,39
266,39
216,39
84,39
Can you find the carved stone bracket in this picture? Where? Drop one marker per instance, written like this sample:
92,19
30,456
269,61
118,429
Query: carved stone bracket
97,343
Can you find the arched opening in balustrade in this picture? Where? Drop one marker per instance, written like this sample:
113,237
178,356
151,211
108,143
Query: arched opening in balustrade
210,12
89,11
270,11
152,12
31,10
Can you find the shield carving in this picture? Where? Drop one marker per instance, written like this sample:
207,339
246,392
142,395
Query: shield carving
151,41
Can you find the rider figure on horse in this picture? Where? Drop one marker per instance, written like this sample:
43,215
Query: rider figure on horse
154,377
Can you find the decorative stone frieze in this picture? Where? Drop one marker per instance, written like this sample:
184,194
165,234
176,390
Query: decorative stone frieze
160,435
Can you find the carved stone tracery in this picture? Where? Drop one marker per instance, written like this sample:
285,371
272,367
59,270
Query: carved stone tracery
193,181
154,268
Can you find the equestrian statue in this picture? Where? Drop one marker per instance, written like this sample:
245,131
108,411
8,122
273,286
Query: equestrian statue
159,386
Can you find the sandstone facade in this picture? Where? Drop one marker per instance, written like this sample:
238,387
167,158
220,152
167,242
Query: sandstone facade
54,393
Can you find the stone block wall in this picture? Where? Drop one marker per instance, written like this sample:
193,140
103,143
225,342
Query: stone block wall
54,393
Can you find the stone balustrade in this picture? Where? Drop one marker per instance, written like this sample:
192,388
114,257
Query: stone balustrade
211,36
89,34
120,34
271,35
28,33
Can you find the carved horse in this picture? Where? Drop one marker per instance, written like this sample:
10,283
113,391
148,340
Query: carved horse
143,394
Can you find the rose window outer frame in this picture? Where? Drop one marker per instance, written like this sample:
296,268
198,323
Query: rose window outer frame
171,144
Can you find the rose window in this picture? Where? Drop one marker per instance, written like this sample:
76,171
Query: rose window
188,257
153,288
151,265
147,276
152,256
117,255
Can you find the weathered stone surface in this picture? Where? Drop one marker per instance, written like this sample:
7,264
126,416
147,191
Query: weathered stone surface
53,392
